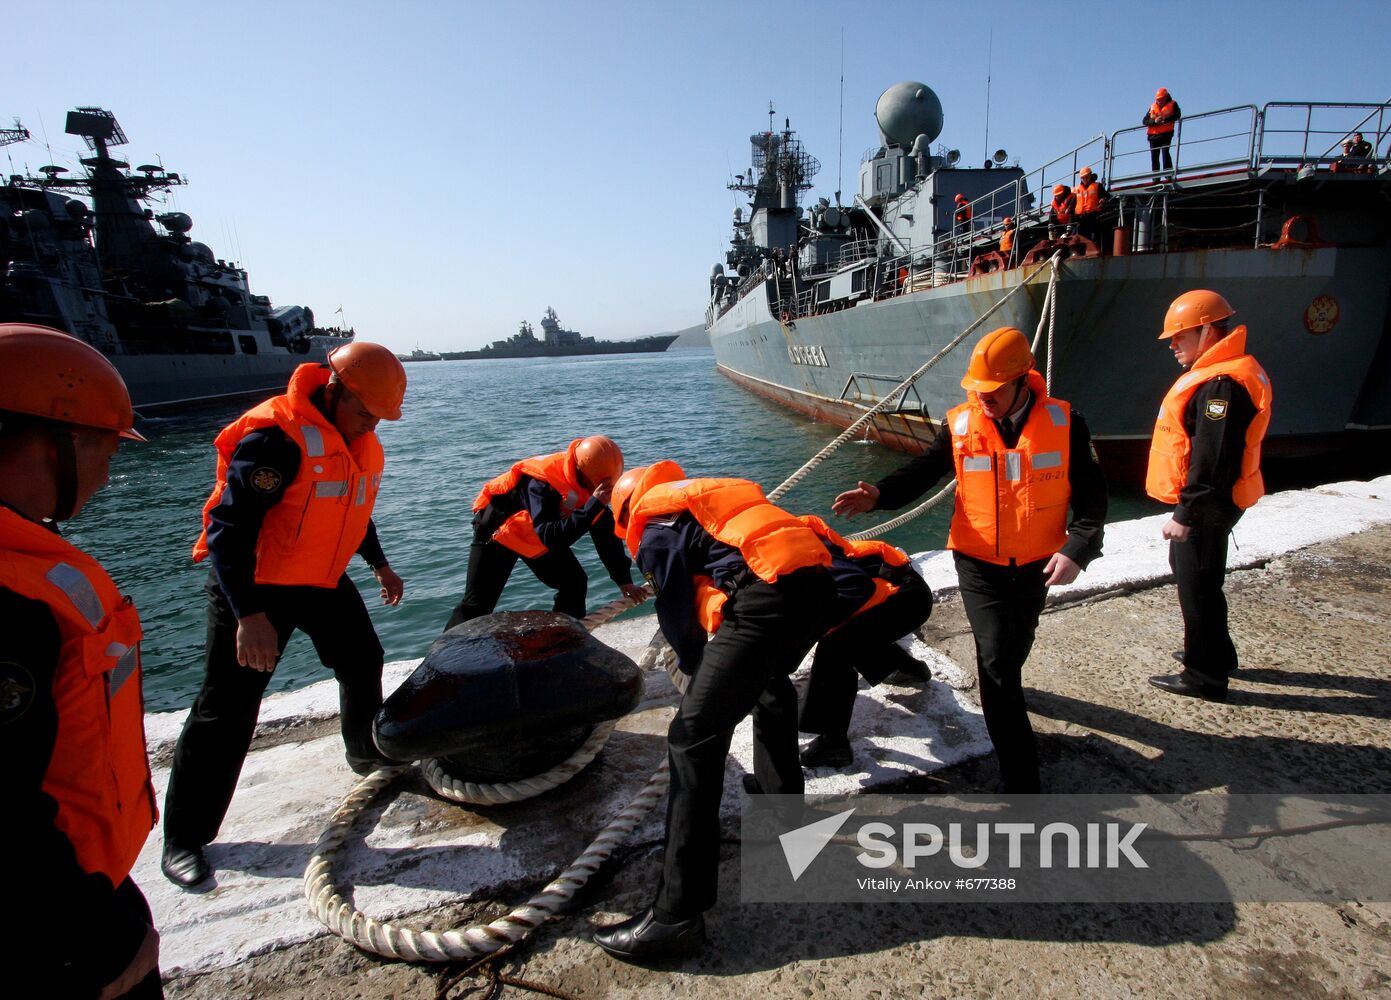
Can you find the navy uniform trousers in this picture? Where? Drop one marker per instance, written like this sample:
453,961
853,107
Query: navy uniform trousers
217,733
490,564
865,644
745,668
1200,570
1003,604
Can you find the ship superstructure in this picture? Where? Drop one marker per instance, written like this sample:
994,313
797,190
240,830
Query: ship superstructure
826,309
181,324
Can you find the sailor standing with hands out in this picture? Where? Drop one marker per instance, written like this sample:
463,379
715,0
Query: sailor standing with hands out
1020,458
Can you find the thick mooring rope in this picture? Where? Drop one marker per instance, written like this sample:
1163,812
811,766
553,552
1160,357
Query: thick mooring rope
393,940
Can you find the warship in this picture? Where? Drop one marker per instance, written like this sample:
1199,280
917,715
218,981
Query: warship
826,310
557,342
181,325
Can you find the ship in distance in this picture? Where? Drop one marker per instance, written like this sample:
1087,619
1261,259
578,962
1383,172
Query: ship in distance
90,255
557,342
827,309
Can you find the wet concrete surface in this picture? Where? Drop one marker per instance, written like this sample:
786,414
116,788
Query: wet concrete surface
1309,712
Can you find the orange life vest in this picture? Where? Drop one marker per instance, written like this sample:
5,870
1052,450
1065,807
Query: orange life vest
309,537
1011,503
1157,113
560,472
1171,448
1088,197
1007,241
1063,207
98,774
710,599
735,511
963,215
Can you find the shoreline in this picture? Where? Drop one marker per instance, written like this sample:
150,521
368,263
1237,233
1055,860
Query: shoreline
1095,719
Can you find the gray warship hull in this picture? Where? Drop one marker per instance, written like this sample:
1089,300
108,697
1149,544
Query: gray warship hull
1106,359
160,382
827,312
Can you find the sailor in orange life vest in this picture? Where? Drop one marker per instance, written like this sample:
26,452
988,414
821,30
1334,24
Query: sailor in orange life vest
720,558
865,643
1061,212
536,511
76,781
1020,458
1205,459
1160,118
297,478
1090,197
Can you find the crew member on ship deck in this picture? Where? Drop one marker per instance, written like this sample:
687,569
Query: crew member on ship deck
297,478
1020,457
76,781
536,511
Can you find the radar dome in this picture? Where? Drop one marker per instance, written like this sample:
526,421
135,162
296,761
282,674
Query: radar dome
907,110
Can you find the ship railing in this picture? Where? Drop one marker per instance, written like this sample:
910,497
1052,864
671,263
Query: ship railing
1211,147
858,250
1306,137
868,393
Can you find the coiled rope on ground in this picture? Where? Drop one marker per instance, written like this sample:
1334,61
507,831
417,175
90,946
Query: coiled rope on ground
398,940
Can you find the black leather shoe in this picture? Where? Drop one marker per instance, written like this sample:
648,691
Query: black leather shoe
827,751
185,868
644,936
1186,684
1178,655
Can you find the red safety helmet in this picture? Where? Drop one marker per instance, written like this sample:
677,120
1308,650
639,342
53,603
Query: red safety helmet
961,199
50,374
373,374
1161,94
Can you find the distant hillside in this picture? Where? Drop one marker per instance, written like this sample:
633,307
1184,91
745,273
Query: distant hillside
693,338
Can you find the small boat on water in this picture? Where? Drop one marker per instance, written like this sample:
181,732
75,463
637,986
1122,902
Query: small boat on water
181,325
827,309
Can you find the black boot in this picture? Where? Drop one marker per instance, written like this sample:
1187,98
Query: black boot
185,867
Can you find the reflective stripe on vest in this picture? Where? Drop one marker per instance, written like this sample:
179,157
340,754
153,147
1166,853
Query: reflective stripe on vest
1019,512
79,590
1170,447
313,441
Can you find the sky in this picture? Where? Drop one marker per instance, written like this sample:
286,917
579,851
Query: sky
441,171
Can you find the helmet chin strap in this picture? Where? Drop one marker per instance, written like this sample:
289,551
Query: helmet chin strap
65,473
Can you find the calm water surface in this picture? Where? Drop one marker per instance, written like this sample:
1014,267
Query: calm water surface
465,422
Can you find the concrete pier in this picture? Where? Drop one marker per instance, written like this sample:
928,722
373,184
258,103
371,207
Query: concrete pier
1309,712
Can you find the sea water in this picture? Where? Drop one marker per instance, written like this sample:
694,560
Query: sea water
463,423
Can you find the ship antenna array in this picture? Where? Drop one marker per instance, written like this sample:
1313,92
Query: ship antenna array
840,140
989,55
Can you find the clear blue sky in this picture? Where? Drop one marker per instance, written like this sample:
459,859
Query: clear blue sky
443,170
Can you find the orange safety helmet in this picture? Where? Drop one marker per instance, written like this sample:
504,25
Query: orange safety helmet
1161,94
961,199
598,458
47,373
1087,172
1059,190
1009,222
1001,356
373,374
1193,309
630,487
